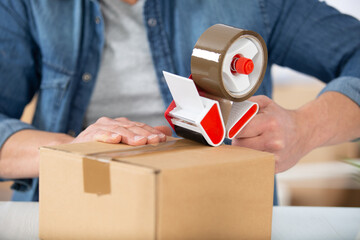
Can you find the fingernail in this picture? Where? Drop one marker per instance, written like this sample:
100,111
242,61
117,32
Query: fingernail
140,124
152,136
138,138
161,135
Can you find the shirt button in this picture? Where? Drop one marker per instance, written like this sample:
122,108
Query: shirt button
152,22
71,133
86,77
97,20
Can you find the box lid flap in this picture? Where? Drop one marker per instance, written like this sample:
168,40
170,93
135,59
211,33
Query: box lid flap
173,154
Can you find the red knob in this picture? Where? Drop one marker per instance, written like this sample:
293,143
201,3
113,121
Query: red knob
242,65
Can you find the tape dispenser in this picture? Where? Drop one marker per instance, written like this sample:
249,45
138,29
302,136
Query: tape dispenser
227,67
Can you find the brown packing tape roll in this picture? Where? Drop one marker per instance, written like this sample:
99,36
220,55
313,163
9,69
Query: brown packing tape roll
208,56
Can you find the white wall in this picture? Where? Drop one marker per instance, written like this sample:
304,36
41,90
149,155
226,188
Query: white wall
351,7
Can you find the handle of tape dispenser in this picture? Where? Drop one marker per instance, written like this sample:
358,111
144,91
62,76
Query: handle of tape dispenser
211,129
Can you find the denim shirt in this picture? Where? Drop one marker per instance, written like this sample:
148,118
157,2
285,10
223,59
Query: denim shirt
47,46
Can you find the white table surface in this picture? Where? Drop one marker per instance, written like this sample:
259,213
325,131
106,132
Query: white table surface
20,220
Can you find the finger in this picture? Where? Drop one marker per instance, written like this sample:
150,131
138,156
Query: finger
256,143
106,136
102,135
152,138
123,122
153,135
118,122
262,100
131,134
255,127
164,129
129,137
153,130
122,126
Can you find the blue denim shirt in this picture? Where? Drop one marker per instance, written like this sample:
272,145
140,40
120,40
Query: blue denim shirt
46,46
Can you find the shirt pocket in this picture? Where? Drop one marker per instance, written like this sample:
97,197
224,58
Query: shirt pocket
54,85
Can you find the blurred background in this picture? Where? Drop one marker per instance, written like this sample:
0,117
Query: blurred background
325,177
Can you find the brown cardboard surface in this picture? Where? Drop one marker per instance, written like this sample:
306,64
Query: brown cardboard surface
212,202
67,212
330,197
186,190
96,176
28,113
195,156
5,191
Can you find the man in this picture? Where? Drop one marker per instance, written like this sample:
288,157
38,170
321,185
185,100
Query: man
55,48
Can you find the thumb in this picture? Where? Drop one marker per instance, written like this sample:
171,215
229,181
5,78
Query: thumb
164,129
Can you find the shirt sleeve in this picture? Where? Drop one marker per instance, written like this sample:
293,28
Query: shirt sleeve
19,73
311,37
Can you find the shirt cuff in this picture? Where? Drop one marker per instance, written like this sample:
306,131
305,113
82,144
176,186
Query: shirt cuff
10,126
349,86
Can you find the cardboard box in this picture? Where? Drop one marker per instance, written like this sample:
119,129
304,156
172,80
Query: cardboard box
332,184
174,190
5,191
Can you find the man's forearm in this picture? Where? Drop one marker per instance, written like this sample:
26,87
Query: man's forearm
290,134
19,156
330,119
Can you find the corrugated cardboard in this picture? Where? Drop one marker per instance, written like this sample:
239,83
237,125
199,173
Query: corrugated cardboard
176,190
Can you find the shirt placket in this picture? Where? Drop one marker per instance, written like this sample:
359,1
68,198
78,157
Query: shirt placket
159,45
89,62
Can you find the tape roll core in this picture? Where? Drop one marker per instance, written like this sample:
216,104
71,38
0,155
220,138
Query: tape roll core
212,57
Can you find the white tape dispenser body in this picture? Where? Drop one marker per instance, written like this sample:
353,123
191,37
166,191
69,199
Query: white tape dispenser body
227,65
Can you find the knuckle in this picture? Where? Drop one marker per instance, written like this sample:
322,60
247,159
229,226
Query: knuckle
122,119
154,130
103,120
97,132
114,127
273,124
276,145
263,97
139,124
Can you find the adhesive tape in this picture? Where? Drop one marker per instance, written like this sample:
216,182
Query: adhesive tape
215,67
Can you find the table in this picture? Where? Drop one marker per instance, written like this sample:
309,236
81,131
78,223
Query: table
316,223
20,220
